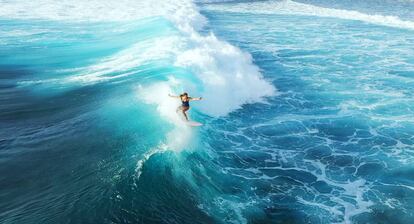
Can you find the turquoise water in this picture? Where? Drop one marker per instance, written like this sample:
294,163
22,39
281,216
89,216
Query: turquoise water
307,111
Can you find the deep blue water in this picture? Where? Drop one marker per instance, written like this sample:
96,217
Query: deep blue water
308,112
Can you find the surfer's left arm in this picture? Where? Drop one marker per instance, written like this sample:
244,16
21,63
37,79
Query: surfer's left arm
173,96
196,98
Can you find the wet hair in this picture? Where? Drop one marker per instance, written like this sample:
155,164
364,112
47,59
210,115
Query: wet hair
184,94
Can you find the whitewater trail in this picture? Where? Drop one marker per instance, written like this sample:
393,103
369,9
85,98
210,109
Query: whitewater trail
288,7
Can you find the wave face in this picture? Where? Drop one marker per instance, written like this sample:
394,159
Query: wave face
307,112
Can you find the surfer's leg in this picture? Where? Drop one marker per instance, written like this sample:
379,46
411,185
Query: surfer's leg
184,109
185,115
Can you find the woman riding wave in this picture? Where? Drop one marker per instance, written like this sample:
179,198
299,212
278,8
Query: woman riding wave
185,103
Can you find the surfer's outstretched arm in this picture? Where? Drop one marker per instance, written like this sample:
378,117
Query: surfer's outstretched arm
196,98
173,96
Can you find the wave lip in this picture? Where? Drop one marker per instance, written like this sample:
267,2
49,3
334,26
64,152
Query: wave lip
288,7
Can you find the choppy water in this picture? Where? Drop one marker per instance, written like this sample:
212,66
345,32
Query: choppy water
308,111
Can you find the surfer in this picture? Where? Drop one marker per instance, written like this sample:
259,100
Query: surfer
185,102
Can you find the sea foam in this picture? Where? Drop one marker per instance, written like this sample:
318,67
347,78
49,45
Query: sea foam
289,7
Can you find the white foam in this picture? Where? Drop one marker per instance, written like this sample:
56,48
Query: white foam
180,136
158,94
294,8
228,76
140,164
95,10
352,189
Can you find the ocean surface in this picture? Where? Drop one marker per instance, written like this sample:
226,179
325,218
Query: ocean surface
308,111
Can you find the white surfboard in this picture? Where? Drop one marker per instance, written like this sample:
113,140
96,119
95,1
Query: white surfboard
189,123
193,123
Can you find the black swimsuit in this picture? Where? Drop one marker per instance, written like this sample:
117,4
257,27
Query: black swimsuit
185,103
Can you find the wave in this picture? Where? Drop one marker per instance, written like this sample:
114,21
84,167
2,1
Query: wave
168,56
289,7
223,74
